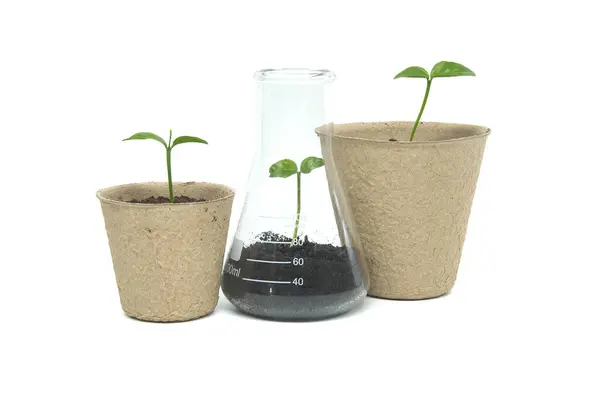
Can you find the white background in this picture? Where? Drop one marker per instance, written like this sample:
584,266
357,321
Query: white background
77,77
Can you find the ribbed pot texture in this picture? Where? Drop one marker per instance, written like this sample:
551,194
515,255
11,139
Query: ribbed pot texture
167,257
411,200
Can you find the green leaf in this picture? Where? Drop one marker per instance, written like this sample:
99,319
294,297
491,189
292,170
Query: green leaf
447,69
145,136
188,139
283,168
413,72
311,163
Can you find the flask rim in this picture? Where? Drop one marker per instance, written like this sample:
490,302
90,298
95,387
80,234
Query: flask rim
294,76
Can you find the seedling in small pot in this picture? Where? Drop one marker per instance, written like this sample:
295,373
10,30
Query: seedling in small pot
443,69
286,168
168,146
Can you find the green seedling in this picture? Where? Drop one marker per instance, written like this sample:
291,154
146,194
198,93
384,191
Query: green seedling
443,69
286,168
168,146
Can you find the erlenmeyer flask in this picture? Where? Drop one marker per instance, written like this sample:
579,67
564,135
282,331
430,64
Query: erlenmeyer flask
295,254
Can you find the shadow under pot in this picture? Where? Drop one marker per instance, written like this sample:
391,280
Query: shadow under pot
167,257
410,200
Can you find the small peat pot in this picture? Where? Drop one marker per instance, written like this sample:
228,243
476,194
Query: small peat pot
411,200
167,256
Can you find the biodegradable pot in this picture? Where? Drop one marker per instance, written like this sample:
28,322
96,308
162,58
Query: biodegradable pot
411,200
167,257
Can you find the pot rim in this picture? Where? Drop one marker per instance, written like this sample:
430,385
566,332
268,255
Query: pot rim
409,143
102,198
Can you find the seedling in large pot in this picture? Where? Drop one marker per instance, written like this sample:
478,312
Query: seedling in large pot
443,69
168,147
286,168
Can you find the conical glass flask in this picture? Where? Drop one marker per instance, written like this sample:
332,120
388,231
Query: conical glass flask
295,254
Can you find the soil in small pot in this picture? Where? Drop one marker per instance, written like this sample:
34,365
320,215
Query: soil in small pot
179,199
276,280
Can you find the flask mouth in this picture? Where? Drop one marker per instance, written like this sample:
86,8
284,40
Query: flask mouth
294,75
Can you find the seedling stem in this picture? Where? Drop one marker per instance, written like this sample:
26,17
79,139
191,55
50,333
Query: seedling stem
414,129
286,168
298,206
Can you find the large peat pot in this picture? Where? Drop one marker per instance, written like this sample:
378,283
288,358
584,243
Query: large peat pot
411,200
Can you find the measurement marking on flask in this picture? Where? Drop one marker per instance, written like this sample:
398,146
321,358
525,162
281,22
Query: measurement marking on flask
232,270
266,281
282,262
275,242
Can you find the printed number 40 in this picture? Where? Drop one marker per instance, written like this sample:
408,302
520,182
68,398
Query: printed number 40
298,281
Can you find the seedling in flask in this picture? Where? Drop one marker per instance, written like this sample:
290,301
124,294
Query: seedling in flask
286,168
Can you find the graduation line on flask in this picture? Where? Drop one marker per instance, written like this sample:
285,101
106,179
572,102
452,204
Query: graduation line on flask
282,262
266,281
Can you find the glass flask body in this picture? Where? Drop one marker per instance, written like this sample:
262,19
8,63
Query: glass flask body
294,254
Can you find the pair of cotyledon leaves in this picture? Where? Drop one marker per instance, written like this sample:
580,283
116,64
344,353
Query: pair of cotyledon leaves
287,167
443,69
178,140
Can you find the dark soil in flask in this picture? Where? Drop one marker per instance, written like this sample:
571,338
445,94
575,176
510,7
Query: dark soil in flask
272,279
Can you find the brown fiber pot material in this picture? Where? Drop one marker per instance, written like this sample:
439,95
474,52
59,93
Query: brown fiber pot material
411,201
167,257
